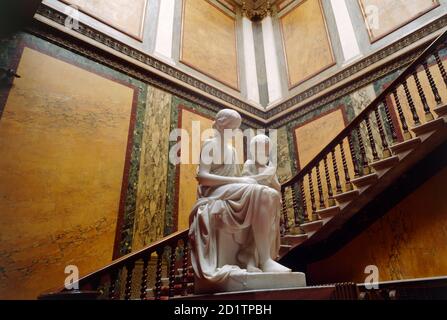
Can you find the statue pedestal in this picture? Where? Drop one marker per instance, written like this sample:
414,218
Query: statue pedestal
244,281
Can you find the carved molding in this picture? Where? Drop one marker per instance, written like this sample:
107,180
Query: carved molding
256,14
349,72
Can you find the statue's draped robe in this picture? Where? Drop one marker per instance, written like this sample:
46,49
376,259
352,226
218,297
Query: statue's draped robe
230,209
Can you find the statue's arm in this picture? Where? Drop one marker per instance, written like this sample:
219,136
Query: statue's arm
208,179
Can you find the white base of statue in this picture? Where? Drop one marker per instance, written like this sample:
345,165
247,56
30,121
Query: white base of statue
245,281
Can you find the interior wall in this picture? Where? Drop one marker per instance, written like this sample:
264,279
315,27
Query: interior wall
208,41
66,144
407,243
392,14
307,46
126,16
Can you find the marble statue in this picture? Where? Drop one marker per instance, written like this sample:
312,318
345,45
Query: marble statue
234,224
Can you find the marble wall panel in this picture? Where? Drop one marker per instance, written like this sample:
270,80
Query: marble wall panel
64,144
126,16
306,42
208,41
152,182
384,16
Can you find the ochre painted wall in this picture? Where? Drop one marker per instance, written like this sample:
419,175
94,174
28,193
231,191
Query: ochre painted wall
408,242
306,42
392,14
310,138
126,16
187,185
209,41
63,139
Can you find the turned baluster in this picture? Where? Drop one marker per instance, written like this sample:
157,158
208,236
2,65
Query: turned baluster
433,86
403,121
320,189
312,194
345,168
173,258
363,159
337,176
354,157
390,120
331,201
428,114
143,291
128,287
441,67
304,203
185,267
112,289
372,142
285,216
158,274
411,104
296,211
386,150
94,284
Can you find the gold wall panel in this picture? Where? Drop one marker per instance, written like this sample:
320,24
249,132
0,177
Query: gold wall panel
392,14
187,183
152,182
63,139
310,138
306,42
209,42
407,243
126,16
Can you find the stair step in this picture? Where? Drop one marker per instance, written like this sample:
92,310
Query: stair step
385,163
284,248
428,127
178,290
328,213
295,239
189,269
345,197
365,181
311,227
405,146
441,110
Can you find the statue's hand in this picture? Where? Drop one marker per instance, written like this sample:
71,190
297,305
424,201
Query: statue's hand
248,180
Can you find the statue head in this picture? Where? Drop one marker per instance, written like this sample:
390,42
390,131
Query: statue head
260,148
227,119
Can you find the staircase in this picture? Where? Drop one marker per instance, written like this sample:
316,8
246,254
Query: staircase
389,137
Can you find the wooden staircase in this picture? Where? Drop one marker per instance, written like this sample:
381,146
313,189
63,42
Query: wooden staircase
351,171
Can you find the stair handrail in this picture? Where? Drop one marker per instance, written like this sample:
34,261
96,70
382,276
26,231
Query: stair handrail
157,246
365,112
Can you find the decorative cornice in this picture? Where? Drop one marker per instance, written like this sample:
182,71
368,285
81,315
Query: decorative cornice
353,86
349,72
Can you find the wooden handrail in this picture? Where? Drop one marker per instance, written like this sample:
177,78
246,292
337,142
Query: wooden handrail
172,239
365,112
132,257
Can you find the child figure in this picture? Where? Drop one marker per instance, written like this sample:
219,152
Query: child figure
260,168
